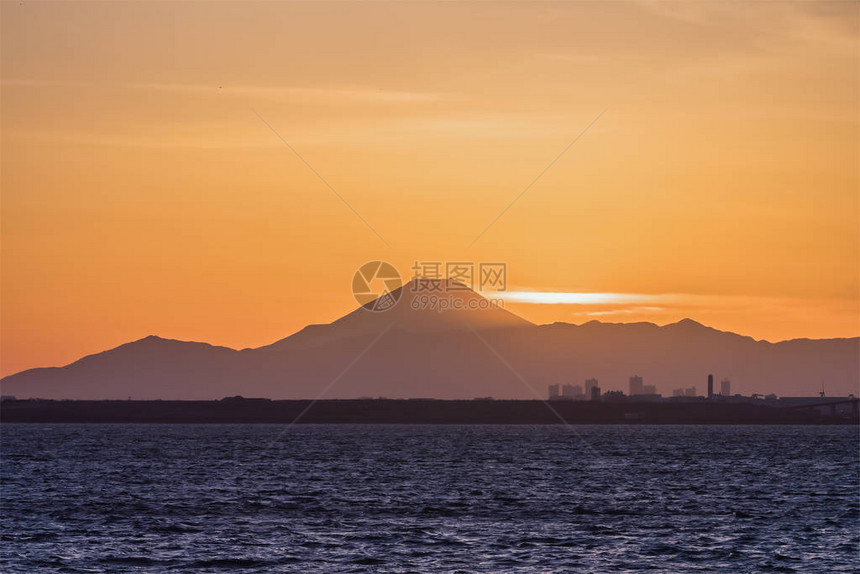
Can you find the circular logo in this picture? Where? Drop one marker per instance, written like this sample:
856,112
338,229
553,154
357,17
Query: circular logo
376,286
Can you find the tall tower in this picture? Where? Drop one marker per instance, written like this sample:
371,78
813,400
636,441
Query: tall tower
636,387
589,384
710,386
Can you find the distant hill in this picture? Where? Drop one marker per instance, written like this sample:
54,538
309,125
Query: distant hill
452,354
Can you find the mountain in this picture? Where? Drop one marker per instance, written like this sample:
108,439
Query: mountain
413,313
471,349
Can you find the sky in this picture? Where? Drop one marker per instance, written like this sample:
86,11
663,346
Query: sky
218,171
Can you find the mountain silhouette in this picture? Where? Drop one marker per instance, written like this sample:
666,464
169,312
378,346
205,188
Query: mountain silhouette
413,313
473,350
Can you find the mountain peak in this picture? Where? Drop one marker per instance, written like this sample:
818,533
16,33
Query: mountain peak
422,306
432,305
687,322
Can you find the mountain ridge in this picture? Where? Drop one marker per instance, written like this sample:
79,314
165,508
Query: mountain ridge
406,353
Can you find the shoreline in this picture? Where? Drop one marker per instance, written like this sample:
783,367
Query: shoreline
415,411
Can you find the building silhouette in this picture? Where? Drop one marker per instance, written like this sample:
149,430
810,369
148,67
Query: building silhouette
553,391
726,388
589,384
572,392
710,386
636,387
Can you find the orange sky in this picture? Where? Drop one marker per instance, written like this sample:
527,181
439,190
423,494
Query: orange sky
142,194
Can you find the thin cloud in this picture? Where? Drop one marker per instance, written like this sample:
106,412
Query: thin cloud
647,302
149,140
581,298
291,93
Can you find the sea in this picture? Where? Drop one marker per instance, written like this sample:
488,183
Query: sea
425,498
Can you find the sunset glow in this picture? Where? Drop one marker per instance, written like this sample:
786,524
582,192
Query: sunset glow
143,191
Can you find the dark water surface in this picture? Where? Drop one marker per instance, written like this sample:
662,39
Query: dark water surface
92,498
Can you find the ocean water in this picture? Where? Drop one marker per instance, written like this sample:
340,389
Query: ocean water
350,498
